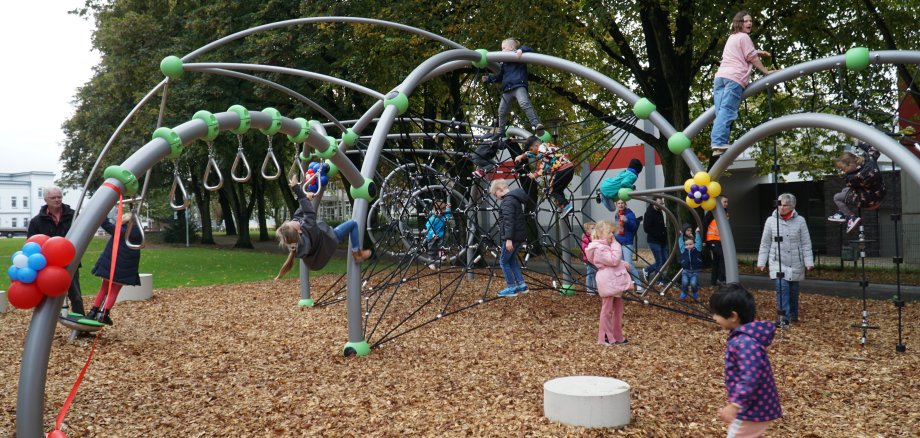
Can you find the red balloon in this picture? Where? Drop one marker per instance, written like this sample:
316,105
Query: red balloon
53,281
58,251
40,239
57,433
24,296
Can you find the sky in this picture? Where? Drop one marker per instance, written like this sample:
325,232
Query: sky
48,56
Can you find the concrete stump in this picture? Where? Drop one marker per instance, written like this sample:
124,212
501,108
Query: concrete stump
137,293
588,401
3,301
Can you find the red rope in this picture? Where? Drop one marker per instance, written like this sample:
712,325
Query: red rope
76,385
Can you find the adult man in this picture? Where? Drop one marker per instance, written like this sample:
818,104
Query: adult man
54,219
714,243
791,257
657,237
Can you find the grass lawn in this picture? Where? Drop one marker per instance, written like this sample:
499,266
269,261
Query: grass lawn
178,266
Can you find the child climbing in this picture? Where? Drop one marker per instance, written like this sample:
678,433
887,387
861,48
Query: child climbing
612,280
434,236
312,240
691,260
513,234
483,157
864,187
590,270
513,77
609,190
127,261
552,163
753,402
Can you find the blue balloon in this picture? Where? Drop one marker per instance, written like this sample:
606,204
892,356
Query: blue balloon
313,187
314,165
705,196
325,168
14,255
37,261
31,248
27,275
13,273
703,189
324,179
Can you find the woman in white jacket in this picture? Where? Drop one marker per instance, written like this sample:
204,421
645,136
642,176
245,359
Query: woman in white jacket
789,259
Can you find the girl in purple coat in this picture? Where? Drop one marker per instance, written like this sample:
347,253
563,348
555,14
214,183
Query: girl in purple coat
753,402
605,253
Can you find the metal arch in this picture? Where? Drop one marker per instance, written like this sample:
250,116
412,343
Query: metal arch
205,66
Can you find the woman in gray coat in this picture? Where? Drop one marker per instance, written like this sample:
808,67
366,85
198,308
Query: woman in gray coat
789,259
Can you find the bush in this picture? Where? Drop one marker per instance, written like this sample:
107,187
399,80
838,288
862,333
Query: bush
174,231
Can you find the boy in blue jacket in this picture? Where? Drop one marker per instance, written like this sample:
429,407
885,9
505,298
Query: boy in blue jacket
609,190
626,236
753,402
691,259
434,228
513,76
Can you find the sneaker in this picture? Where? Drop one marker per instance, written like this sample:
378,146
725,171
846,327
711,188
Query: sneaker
478,173
361,255
106,319
683,296
640,290
837,217
719,149
539,129
645,276
508,292
853,223
432,267
93,313
623,342
522,288
696,296
591,292
567,210
597,198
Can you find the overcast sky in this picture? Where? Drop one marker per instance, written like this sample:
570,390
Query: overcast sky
47,56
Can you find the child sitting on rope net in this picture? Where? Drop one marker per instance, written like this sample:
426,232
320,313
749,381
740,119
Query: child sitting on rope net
434,232
313,240
864,187
555,164
609,190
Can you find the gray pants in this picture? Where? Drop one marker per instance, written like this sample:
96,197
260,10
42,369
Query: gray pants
523,99
840,200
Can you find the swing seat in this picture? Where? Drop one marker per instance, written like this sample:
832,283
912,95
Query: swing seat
80,323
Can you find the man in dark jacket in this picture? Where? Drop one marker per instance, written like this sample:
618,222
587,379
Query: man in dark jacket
54,219
714,242
513,234
657,237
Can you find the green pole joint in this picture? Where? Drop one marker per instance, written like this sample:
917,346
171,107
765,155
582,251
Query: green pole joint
546,136
245,119
678,143
367,191
170,136
643,108
171,66
306,157
124,176
306,302
304,131
210,120
482,63
349,137
331,149
333,169
567,290
360,348
857,58
398,99
623,193
275,126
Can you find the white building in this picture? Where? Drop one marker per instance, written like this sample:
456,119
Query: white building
21,197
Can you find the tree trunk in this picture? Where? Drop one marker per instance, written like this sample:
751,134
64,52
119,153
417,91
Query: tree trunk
203,200
226,209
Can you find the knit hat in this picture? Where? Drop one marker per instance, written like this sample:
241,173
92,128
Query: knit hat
636,165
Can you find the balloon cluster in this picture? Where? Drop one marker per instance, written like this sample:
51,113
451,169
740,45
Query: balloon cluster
38,270
322,170
701,191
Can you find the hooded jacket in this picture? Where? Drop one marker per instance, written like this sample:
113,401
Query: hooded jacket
691,260
612,277
512,74
748,373
653,224
317,241
128,261
513,226
794,252
610,187
867,188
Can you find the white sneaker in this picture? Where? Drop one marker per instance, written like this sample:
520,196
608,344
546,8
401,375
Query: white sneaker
719,149
837,217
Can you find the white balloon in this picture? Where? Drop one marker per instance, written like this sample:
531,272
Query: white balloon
21,261
697,195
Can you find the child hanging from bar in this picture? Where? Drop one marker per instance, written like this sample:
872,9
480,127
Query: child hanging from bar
554,164
312,240
609,191
864,188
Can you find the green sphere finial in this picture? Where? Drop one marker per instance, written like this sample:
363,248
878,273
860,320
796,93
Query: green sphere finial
398,99
643,108
857,58
171,66
482,63
623,193
678,143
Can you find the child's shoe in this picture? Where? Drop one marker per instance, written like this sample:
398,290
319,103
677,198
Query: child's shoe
361,255
508,292
696,296
837,217
567,210
539,129
93,313
522,288
478,173
105,318
683,296
852,223
719,149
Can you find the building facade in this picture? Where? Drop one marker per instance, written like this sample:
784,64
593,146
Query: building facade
21,197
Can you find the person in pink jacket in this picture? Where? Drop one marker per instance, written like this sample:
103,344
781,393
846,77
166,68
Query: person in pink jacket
605,253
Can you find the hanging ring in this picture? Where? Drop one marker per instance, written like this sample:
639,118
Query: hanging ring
270,159
212,164
135,222
240,158
177,186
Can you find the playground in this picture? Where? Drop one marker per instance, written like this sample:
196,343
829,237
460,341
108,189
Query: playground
242,361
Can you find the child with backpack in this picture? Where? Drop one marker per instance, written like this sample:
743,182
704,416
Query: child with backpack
613,280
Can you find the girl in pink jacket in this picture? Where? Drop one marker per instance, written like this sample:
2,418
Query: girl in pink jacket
613,279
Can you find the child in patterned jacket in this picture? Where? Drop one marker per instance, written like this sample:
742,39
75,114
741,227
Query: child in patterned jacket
753,402
864,187
553,163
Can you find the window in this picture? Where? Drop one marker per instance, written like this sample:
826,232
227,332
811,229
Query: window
25,222
14,222
40,194
13,202
25,202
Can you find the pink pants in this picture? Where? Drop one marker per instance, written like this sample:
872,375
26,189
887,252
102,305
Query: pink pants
610,328
103,291
748,429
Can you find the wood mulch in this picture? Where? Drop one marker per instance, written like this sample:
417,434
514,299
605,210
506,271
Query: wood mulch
244,360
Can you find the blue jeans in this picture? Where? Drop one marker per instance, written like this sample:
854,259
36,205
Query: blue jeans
787,298
511,267
726,95
689,282
590,277
628,258
660,253
523,99
346,229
